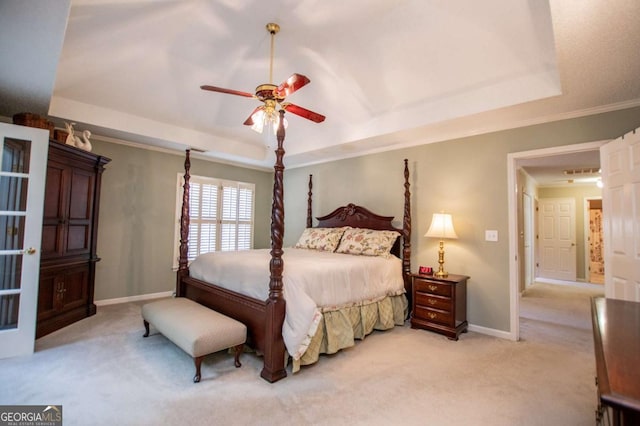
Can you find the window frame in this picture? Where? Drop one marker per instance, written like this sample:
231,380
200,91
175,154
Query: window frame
236,222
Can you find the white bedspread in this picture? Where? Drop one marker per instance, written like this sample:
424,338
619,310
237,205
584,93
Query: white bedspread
312,280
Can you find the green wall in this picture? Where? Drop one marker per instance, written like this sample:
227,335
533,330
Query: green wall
137,213
465,177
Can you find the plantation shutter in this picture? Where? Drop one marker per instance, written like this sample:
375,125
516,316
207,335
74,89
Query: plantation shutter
220,215
203,207
236,217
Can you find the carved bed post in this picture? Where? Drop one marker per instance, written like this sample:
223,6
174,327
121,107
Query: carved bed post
274,361
309,203
183,259
406,235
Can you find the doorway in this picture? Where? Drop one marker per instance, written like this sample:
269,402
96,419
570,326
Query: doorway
595,244
514,161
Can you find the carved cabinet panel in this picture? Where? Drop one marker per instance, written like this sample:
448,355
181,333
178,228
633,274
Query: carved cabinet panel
62,297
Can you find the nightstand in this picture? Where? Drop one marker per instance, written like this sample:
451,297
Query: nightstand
440,304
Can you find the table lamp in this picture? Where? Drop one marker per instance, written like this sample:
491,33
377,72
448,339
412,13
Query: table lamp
441,228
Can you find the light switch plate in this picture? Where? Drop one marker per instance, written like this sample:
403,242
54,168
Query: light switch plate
490,235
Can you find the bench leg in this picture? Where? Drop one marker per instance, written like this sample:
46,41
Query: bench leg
239,348
198,362
146,328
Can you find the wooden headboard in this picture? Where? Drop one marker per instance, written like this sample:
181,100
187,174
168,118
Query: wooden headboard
356,217
359,217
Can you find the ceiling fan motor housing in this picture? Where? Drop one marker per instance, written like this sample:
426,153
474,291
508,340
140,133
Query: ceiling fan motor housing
267,91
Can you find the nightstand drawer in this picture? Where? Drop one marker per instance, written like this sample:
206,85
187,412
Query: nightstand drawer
430,301
441,289
433,315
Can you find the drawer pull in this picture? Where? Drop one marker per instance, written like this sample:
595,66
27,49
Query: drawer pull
432,315
432,301
433,287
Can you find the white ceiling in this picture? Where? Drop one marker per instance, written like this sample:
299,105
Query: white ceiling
386,74
576,168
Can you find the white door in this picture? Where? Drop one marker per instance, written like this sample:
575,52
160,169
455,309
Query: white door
527,210
620,162
23,161
557,238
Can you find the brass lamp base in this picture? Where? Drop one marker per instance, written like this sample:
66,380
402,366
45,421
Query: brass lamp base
441,272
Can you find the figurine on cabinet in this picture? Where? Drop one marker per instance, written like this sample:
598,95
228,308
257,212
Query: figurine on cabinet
73,140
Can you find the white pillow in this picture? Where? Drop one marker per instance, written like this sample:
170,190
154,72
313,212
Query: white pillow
325,239
367,242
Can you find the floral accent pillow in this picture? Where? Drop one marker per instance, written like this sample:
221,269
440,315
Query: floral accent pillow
367,242
325,239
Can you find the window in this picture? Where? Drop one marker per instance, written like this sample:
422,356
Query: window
220,215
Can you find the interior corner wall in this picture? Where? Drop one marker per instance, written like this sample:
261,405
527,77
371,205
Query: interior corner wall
137,216
466,177
579,193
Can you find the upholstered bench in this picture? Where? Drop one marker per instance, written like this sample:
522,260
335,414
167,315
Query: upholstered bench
194,328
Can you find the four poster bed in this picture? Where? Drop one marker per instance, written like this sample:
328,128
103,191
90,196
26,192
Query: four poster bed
324,310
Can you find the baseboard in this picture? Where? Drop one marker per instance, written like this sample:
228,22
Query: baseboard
579,284
491,332
134,298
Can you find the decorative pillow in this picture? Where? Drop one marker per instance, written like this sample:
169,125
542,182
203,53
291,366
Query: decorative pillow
325,239
367,242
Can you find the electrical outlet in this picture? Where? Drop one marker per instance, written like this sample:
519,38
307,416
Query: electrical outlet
490,235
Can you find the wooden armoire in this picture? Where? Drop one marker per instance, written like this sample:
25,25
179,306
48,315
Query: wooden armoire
69,237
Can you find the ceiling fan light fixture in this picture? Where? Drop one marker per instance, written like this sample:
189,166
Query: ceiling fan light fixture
267,120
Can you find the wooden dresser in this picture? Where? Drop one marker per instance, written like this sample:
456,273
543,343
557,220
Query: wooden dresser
440,304
69,237
616,336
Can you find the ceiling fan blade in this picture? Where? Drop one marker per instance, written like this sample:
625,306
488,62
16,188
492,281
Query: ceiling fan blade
290,85
228,91
249,121
303,112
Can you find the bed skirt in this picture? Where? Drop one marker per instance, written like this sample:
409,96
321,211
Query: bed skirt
339,328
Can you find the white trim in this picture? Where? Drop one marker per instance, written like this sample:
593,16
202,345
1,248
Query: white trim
138,298
194,153
463,131
578,284
467,131
491,332
514,288
512,158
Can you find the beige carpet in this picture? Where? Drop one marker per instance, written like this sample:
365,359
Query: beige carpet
104,373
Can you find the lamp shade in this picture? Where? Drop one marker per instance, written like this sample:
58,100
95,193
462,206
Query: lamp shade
441,227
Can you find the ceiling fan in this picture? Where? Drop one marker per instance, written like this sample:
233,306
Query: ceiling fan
271,95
